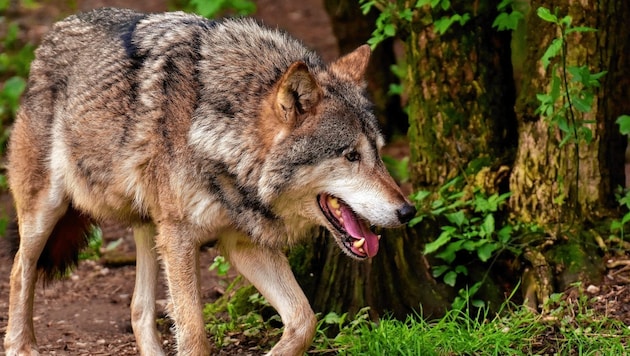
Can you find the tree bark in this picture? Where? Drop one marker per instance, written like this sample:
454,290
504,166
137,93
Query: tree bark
461,95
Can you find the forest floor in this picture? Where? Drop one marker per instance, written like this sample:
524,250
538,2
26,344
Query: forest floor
88,313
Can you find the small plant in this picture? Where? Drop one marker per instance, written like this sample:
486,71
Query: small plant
221,265
468,219
93,249
623,196
240,312
394,15
507,20
212,9
572,87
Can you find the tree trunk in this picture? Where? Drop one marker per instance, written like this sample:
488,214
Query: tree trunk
461,95
562,188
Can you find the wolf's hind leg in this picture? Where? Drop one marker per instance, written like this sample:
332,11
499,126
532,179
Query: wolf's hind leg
143,301
36,223
269,271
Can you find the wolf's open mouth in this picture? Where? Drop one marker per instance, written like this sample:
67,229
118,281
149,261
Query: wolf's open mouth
356,235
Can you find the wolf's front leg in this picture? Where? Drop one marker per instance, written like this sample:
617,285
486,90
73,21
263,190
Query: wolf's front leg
143,301
269,271
179,249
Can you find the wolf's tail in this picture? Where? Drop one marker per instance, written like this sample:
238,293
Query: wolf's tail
61,252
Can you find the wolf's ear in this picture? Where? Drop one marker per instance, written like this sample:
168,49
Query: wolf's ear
297,93
353,65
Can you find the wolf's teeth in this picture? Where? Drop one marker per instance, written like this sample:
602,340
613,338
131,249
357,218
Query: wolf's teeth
361,250
359,243
378,237
333,202
338,212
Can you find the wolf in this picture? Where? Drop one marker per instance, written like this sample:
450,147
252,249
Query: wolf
191,130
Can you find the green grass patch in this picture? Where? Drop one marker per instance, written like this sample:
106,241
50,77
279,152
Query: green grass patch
569,324
518,331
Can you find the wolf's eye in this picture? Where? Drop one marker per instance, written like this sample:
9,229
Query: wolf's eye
353,156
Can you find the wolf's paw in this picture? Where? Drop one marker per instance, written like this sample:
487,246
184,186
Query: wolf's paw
27,350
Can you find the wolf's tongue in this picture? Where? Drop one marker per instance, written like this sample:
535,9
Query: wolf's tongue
359,229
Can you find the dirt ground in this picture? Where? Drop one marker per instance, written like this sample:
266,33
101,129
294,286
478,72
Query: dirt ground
88,312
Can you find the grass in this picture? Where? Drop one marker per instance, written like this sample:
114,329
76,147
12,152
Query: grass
568,326
518,331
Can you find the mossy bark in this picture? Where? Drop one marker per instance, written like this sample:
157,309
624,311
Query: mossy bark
562,189
460,95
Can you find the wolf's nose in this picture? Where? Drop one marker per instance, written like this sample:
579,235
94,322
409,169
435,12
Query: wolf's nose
406,213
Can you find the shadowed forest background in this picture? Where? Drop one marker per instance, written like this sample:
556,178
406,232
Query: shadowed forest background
506,123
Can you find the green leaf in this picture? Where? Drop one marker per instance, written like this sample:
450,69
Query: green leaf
504,234
616,225
552,51
461,269
580,29
439,270
450,251
505,21
624,124
484,252
389,30
207,8
422,3
416,220
450,278
504,4
457,218
444,238
478,303
420,195
488,225
546,15
583,104
443,24
406,15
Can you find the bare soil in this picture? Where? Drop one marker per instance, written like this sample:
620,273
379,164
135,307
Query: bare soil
87,313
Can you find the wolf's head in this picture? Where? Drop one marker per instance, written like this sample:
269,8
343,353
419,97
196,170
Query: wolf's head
325,162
